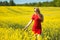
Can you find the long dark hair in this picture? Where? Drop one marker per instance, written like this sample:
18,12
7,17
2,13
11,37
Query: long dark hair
38,11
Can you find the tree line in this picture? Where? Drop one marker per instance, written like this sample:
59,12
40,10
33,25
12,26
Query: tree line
54,3
5,3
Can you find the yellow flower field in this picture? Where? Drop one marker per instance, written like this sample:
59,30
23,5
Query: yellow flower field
14,18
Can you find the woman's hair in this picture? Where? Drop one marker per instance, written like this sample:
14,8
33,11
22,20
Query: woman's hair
37,10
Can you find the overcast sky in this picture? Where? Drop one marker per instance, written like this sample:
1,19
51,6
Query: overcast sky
26,1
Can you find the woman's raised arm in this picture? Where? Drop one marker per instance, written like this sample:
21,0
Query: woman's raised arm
28,24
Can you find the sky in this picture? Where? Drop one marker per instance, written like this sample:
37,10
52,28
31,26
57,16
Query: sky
26,1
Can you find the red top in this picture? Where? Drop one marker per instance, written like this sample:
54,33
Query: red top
37,24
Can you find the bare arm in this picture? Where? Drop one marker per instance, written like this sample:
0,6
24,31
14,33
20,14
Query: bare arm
28,24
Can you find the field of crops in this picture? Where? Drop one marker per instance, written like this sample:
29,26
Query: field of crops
13,20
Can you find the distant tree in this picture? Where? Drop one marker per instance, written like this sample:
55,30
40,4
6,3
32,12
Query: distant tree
57,3
30,4
0,3
5,3
33,4
39,4
11,3
26,4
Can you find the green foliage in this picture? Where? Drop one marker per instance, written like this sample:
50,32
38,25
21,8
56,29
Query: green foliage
5,3
11,3
57,3
54,3
0,3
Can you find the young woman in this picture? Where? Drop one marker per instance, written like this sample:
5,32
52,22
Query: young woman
38,19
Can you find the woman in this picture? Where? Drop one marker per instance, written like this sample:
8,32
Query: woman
37,18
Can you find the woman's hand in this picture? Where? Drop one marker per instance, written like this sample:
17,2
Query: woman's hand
24,28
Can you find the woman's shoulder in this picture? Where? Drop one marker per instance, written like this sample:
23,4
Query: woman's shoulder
33,15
